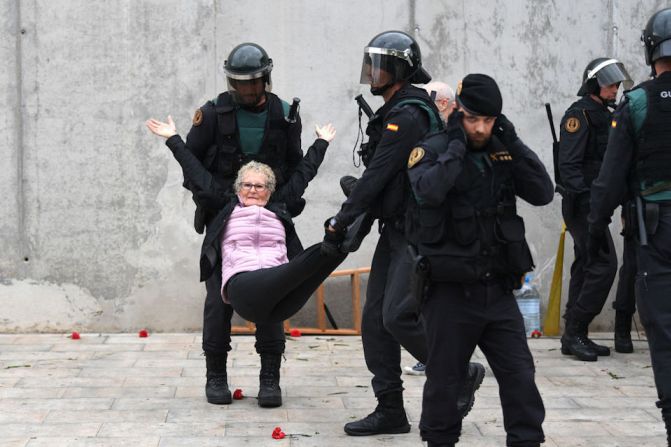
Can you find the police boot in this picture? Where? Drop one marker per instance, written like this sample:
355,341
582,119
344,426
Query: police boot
623,342
601,350
575,341
436,444
388,418
270,393
347,183
476,373
216,388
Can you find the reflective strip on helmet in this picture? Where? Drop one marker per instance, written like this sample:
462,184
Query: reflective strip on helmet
596,69
405,54
249,76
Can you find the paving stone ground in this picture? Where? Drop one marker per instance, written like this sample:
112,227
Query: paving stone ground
121,390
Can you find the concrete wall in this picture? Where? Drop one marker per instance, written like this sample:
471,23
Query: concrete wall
96,229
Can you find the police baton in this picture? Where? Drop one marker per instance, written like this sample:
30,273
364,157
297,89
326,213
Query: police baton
293,111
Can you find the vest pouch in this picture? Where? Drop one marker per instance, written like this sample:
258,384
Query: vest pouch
516,251
464,225
456,263
228,161
431,228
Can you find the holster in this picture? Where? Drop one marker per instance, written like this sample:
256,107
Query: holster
419,278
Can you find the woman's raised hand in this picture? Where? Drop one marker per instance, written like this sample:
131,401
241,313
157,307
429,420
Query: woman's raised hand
165,130
326,132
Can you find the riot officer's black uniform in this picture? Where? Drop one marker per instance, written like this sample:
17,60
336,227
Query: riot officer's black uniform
472,247
639,148
226,133
389,318
584,135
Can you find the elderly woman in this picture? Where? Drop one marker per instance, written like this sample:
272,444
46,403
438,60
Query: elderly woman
254,237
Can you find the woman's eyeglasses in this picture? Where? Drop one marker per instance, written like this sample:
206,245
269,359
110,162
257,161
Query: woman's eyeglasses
257,186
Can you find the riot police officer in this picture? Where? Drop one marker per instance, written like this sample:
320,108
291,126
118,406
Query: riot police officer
584,135
639,148
247,122
472,249
392,63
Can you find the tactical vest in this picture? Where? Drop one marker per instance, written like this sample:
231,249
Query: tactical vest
598,123
227,157
394,196
476,234
653,155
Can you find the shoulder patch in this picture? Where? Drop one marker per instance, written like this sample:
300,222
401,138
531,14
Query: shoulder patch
198,118
572,125
416,155
392,127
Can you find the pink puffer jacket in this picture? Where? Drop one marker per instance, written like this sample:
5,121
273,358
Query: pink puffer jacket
254,238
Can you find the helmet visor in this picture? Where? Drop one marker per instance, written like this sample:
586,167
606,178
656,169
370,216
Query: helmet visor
381,67
249,92
611,72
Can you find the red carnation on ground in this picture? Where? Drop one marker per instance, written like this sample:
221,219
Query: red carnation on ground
237,394
143,333
295,332
75,335
536,334
278,433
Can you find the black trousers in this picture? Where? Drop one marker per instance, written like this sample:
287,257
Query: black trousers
625,298
217,317
591,279
272,295
459,317
390,318
653,296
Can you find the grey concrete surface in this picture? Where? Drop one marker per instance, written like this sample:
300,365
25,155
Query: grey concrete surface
96,228
121,390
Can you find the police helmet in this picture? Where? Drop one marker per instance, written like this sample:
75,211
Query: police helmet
247,72
601,72
656,36
395,53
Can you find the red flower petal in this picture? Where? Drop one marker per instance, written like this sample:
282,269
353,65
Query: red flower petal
143,333
75,335
295,332
237,394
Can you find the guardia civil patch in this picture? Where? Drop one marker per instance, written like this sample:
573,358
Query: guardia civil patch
572,125
198,118
416,155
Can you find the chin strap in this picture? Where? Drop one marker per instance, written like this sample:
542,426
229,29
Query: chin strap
379,91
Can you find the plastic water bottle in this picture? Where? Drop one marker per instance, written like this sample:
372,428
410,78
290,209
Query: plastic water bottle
529,302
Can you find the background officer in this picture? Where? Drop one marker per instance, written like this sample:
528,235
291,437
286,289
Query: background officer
466,180
247,122
639,148
584,135
392,62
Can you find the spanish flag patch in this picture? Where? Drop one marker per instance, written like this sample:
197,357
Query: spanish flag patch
392,127
613,124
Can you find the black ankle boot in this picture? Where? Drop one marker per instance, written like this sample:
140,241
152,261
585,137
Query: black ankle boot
476,373
216,388
600,350
623,342
388,418
575,341
270,393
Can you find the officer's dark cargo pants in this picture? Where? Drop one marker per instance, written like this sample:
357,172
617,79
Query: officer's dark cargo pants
653,297
625,300
389,317
458,317
591,279
217,317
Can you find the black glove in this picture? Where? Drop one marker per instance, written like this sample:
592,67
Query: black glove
505,130
597,242
454,128
332,239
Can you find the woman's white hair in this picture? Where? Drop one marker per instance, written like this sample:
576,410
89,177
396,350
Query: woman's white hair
261,168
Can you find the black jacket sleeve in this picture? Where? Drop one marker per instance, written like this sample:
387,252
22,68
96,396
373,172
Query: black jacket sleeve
572,147
303,173
610,187
193,170
434,175
402,129
532,181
